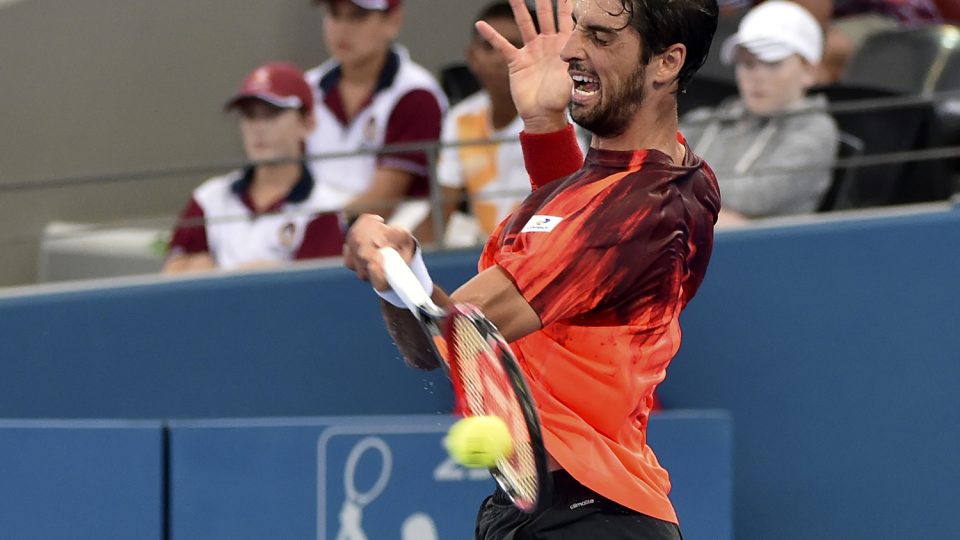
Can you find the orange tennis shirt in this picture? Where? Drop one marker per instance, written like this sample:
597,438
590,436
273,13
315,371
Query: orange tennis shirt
608,257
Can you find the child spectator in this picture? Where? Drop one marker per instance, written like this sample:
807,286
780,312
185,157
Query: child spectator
263,214
371,94
771,147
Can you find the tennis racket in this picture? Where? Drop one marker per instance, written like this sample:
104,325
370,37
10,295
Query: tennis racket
486,380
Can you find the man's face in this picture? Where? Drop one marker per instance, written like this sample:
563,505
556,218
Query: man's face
355,35
488,65
604,55
771,87
271,132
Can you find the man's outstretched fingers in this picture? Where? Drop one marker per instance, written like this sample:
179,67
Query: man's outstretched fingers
565,16
524,21
545,17
498,42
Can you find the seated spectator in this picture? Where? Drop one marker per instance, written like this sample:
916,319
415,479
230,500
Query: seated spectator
492,175
848,23
905,12
262,215
856,20
771,147
822,10
370,94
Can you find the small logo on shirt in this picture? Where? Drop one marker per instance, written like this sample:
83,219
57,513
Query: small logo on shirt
370,130
288,234
581,504
541,224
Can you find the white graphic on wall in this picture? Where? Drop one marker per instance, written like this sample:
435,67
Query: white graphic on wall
450,471
418,526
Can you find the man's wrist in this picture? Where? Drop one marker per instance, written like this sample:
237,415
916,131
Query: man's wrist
545,124
549,156
419,268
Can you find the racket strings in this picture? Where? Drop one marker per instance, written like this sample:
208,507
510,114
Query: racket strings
487,390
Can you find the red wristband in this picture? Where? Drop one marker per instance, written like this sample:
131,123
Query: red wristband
549,156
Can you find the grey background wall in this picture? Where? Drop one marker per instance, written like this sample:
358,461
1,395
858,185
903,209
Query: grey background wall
89,87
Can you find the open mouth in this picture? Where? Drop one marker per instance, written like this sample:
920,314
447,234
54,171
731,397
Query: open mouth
585,85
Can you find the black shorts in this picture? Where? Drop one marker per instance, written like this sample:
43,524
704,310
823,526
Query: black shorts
573,512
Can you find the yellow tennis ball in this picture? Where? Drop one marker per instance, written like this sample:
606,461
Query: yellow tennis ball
479,441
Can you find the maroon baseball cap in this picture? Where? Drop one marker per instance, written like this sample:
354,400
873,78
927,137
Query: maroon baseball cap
278,83
374,5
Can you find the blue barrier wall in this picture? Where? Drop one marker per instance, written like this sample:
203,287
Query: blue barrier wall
318,478
81,479
372,477
291,344
837,350
835,347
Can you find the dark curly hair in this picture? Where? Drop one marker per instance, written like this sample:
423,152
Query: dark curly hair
662,23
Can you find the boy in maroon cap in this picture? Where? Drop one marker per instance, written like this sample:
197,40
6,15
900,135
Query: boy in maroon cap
370,94
264,214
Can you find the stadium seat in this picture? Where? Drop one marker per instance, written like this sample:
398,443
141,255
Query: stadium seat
457,82
948,108
884,130
844,178
910,60
949,80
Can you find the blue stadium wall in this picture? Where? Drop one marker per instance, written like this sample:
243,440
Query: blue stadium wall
835,347
250,479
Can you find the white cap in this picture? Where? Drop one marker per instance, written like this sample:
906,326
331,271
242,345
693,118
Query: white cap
775,30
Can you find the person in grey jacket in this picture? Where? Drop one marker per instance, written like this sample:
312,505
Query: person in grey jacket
772,147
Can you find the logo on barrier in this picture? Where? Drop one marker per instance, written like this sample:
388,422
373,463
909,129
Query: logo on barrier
351,514
392,482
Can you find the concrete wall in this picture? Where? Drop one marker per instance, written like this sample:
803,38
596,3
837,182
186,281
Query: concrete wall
103,86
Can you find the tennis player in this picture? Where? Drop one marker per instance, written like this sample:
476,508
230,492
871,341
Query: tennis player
588,277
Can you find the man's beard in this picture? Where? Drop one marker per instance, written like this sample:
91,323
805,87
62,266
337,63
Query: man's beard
611,117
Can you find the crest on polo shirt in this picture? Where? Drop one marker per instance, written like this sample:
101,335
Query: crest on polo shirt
288,234
370,130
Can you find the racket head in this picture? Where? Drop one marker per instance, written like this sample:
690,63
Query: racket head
487,381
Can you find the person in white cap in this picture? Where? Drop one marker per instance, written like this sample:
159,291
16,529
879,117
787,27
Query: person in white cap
370,94
772,147
264,214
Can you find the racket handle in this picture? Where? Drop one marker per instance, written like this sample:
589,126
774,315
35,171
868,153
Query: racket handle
403,281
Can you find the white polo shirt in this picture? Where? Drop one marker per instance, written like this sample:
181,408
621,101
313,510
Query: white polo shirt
220,220
493,175
380,122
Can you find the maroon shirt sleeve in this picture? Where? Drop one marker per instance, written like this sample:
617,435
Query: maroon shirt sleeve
549,156
190,234
323,238
416,118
